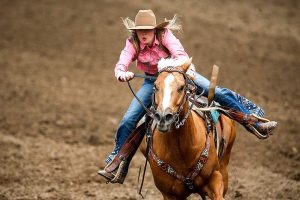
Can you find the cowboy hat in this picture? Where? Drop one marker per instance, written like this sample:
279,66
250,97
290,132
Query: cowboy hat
145,19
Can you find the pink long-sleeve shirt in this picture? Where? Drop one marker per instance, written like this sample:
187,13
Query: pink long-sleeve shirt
148,57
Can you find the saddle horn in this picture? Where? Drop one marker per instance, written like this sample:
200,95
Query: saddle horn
213,83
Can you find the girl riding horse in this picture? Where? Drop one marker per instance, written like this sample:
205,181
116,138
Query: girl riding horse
149,43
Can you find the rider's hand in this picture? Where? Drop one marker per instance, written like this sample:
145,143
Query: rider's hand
191,71
126,76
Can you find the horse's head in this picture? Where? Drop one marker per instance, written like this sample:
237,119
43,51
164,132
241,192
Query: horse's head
170,93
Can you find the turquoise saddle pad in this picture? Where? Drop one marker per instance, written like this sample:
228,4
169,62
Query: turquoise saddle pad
215,116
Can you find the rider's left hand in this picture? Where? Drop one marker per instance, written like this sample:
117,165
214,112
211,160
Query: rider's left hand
126,76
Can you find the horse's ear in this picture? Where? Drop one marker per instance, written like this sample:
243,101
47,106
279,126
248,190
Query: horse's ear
186,65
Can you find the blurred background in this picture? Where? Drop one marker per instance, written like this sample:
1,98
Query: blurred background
60,103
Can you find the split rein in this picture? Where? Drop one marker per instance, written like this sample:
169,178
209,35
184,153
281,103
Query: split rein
149,112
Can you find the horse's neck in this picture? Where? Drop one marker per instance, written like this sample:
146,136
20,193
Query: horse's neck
185,143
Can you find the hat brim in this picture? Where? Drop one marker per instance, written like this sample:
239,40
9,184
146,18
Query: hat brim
161,25
142,27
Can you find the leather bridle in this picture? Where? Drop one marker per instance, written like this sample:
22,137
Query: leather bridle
190,92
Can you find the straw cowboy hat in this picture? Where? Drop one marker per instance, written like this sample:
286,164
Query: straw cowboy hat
145,19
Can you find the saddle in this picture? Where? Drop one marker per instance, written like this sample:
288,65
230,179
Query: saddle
213,119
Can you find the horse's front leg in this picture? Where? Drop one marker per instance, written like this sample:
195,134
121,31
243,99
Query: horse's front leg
215,187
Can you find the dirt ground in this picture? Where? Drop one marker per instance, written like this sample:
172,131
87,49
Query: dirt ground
60,104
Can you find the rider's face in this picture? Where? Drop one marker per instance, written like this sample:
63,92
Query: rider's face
146,36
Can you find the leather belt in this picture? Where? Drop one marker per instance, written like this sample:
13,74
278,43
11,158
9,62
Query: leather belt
150,74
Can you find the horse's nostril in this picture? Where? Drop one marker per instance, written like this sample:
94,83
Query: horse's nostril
157,117
169,117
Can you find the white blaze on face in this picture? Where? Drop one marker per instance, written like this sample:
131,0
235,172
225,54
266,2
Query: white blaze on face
167,91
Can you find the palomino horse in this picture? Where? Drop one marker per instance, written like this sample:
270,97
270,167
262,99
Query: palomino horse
182,159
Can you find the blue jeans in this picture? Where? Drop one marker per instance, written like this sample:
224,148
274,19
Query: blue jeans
228,98
133,115
135,112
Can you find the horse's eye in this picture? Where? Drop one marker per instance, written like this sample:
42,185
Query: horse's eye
180,89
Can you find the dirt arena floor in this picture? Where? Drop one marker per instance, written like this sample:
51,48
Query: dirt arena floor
60,104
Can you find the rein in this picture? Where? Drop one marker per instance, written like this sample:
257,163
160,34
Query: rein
152,78
149,112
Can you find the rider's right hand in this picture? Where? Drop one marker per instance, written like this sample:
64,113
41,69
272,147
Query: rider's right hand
126,76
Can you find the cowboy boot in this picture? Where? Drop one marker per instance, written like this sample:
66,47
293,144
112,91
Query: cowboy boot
260,127
116,170
262,130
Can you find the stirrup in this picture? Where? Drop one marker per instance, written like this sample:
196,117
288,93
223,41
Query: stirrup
120,174
260,118
116,176
107,175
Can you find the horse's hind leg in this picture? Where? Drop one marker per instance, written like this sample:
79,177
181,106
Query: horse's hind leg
215,187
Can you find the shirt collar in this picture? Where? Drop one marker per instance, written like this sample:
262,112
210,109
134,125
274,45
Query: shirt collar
156,42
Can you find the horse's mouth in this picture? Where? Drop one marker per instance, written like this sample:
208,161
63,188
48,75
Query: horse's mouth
164,128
